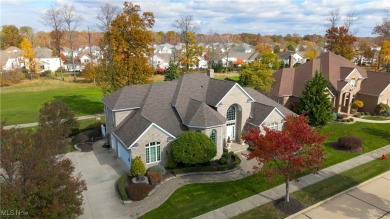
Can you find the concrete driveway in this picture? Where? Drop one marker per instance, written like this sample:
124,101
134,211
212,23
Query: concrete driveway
100,169
368,200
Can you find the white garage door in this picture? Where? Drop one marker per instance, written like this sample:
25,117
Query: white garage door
124,154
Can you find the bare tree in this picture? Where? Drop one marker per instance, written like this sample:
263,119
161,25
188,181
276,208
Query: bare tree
334,17
71,21
53,19
186,26
107,14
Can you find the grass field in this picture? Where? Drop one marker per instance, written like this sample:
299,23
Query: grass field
20,103
196,199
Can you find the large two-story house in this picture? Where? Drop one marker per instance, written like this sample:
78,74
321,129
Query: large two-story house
142,120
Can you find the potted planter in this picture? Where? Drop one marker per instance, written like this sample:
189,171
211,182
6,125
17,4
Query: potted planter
228,143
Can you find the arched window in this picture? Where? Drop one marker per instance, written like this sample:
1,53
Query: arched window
153,152
213,136
231,113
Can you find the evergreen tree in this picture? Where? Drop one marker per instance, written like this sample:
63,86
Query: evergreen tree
172,72
314,102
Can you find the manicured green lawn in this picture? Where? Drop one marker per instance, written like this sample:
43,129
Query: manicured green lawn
196,199
374,135
21,103
324,189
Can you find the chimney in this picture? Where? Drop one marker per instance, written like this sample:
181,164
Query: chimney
290,61
210,73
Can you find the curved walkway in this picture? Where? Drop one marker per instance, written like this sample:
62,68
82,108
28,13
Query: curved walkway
33,124
162,193
370,121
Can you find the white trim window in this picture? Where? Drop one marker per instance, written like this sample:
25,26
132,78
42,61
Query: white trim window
213,136
231,113
273,126
153,152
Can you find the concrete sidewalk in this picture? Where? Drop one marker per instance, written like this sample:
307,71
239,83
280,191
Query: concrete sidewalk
278,192
370,199
33,124
370,121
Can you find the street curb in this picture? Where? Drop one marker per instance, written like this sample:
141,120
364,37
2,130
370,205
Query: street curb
335,196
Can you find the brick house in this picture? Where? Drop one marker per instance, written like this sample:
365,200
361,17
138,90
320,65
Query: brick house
141,120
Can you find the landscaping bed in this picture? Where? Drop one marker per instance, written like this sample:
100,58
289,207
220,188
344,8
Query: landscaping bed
232,160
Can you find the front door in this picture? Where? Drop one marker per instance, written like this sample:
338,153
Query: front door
230,131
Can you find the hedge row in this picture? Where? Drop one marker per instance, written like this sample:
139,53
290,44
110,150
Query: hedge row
121,187
225,167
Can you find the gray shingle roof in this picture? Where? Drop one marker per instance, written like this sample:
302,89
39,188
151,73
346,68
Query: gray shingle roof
259,113
261,98
176,105
132,127
127,97
200,114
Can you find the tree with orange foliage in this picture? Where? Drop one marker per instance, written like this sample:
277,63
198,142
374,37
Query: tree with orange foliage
130,37
288,152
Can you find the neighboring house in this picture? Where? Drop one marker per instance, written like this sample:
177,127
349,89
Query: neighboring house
51,64
235,57
347,82
291,58
375,89
142,120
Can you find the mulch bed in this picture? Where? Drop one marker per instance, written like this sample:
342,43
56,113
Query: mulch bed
291,207
85,147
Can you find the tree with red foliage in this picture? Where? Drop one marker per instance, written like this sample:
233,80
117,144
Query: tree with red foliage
288,152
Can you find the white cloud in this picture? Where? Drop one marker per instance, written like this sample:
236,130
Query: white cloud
223,16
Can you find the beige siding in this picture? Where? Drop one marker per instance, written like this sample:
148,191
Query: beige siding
153,135
121,115
274,117
238,97
385,98
220,138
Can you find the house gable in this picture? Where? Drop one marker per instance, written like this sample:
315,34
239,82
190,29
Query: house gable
230,92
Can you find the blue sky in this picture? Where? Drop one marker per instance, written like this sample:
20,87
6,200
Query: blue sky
221,16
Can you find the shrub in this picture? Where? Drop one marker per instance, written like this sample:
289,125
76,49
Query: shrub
381,109
121,187
357,104
8,78
350,142
193,148
229,166
227,155
368,113
138,191
46,73
222,160
157,168
350,120
335,116
137,167
171,161
154,177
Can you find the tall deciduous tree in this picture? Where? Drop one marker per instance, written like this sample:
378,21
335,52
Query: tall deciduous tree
340,41
364,50
130,37
314,102
385,55
257,75
28,55
10,36
71,22
188,29
36,178
383,30
53,19
189,54
288,152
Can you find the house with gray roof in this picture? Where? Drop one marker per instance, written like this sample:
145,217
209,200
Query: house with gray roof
142,120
